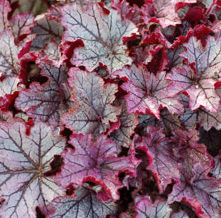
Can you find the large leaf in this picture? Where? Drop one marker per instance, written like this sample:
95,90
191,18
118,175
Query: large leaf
48,101
146,209
94,110
147,93
84,204
199,188
200,88
23,161
96,161
162,163
101,33
207,59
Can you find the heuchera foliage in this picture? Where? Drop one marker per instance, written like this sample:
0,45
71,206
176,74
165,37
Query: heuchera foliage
110,108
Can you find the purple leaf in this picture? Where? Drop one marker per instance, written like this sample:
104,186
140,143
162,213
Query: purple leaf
96,161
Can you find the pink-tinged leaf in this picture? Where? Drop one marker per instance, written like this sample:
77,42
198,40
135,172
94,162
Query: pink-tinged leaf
96,161
4,10
187,151
216,171
84,204
146,209
207,60
200,188
128,122
162,162
24,159
127,11
200,88
165,11
93,111
21,25
9,64
101,33
147,93
53,53
217,27
48,101
45,29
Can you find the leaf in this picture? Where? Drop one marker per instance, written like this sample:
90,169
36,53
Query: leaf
165,12
21,25
45,29
96,161
128,122
24,159
4,10
8,55
203,189
207,59
188,151
85,204
8,85
93,111
201,116
147,93
200,88
48,101
158,209
162,162
102,35
216,171
53,53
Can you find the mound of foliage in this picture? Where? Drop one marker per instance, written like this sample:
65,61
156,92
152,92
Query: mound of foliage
110,108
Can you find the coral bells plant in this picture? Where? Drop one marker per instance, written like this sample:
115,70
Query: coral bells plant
110,108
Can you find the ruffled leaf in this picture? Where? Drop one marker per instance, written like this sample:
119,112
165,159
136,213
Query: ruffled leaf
161,159
147,93
48,101
24,159
101,33
84,204
146,209
96,161
201,91
93,111
199,188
